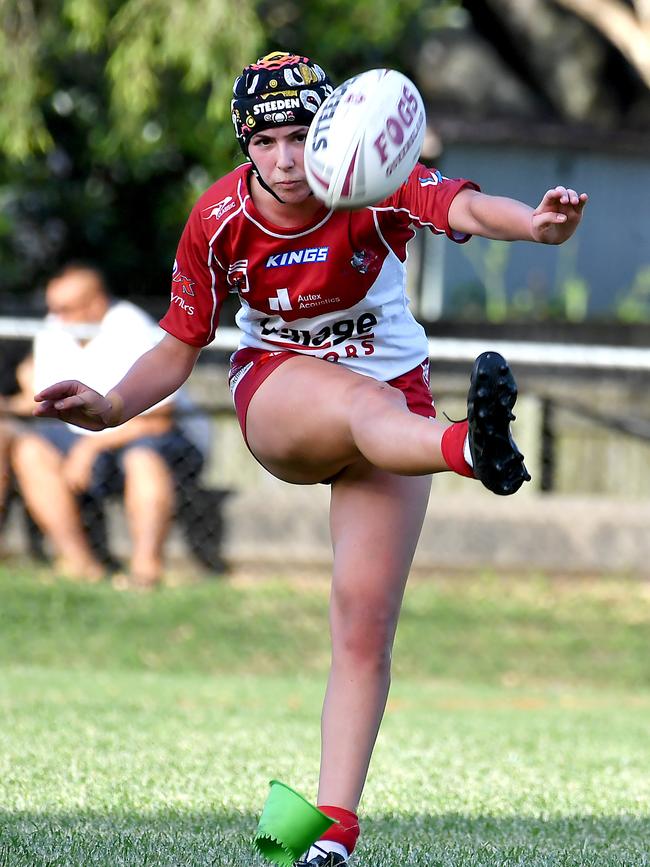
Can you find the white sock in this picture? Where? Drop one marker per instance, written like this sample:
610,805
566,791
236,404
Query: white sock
322,846
467,453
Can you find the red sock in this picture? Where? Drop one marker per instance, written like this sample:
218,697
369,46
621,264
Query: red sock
453,441
346,832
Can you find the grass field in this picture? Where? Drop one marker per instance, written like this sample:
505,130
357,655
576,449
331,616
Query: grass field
143,730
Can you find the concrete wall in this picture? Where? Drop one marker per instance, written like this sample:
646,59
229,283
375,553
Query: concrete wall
287,531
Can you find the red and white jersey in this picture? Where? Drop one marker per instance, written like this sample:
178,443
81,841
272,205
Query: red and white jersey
334,288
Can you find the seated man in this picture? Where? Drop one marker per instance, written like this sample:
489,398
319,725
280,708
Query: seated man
56,466
16,401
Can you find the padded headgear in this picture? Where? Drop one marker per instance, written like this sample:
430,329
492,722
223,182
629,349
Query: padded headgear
278,90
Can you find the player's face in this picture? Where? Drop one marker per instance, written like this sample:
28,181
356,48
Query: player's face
278,155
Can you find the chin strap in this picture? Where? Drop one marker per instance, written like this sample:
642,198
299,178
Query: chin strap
263,184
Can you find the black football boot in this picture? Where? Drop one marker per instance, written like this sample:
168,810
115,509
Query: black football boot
497,461
327,859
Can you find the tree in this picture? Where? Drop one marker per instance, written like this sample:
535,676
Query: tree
131,51
568,69
115,115
625,26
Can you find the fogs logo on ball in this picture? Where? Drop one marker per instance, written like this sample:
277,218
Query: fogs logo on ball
365,139
401,130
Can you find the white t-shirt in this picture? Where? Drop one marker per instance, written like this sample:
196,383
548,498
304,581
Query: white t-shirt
123,335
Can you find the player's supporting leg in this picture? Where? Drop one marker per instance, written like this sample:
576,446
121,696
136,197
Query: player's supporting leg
38,466
149,504
375,518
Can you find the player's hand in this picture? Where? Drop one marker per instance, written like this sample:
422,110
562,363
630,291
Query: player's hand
78,465
76,403
557,216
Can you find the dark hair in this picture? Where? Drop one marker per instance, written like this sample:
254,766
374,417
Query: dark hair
75,265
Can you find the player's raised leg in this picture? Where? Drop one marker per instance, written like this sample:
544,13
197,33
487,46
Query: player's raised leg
331,417
497,461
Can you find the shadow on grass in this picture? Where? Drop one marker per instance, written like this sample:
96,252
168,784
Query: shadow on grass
221,839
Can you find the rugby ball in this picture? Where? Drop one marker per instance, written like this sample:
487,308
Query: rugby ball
365,139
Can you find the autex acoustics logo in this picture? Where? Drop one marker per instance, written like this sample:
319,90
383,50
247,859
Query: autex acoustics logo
281,301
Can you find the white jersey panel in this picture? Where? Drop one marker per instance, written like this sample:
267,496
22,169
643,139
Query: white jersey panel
378,336
333,288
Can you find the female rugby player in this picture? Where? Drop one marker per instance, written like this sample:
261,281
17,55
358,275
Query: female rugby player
331,379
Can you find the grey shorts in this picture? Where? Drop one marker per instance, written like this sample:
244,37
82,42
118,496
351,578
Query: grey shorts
183,458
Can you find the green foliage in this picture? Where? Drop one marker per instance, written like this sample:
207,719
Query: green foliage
571,298
137,42
112,111
490,262
348,37
488,297
575,294
115,115
147,47
204,41
634,304
88,23
22,128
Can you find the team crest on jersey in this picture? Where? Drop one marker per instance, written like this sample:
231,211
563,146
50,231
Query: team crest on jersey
432,179
237,276
183,283
298,257
220,209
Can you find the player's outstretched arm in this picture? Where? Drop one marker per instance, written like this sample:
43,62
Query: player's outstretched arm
553,221
557,216
74,402
154,376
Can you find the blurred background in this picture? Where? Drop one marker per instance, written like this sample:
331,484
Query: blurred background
115,117
143,728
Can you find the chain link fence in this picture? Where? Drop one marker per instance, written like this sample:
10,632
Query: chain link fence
583,424
198,505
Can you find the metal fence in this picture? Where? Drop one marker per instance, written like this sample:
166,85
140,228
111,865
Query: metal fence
584,424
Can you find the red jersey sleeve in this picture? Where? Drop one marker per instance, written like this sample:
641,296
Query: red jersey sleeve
424,199
198,286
